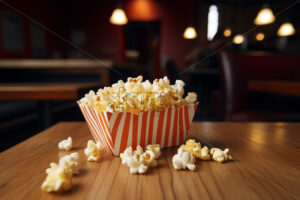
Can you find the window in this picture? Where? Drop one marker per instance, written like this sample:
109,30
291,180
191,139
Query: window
213,22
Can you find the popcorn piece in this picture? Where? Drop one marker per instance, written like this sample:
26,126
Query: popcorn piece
70,161
94,151
126,155
192,147
149,158
65,144
138,161
205,153
59,178
155,148
136,96
191,98
219,155
136,164
183,160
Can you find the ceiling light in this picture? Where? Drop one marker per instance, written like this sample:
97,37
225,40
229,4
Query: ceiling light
227,32
265,16
286,29
238,39
260,36
118,17
190,33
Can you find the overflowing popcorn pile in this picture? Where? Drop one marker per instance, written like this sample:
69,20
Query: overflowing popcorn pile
137,95
188,152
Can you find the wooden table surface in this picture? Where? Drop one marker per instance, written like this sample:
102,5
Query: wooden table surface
266,166
45,91
275,87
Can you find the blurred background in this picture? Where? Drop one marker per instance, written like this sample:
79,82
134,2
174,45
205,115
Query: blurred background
240,56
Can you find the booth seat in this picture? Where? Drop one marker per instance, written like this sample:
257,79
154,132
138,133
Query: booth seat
233,102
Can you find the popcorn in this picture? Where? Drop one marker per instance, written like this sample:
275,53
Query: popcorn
136,96
94,151
59,178
65,144
155,148
195,149
192,147
205,153
70,161
219,155
183,160
136,164
138,161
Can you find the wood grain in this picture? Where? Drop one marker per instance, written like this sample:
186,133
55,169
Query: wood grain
45,91
275,87
266,166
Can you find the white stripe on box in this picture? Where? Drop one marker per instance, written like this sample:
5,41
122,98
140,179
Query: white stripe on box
155,124
164,128
147,128
129,140
171,127
191,112
119,134
139,132
112,121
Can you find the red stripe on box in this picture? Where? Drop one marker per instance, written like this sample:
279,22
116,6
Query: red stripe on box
175,128
134,130
88,123
125,132
181,139
115,127
100,128
168,127
108,114
150,133
144,127
160,126
105,130
94,128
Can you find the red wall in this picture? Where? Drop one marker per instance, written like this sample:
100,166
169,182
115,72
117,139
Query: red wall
46,13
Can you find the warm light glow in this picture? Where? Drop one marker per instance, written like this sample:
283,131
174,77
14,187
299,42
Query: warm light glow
286,29
227,32
260,36
264,16
190,33
118,17
213,22
238,39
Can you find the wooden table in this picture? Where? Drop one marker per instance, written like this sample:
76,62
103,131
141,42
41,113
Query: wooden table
44,93
275,87
266,166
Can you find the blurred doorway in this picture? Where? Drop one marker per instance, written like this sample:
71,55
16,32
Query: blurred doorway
142,41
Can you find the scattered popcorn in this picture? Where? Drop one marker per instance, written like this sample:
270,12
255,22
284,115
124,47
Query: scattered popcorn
136,96
192,147
183,160
205,153
126,155
138,161
59,178
136,164
155,148
219,155
70,161
65,144
94,151
149,158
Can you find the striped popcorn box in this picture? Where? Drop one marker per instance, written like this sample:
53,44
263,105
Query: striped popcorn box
117,131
